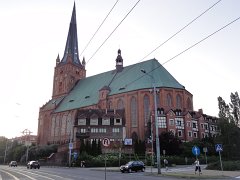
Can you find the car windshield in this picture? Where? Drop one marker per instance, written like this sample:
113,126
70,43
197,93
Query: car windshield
129,163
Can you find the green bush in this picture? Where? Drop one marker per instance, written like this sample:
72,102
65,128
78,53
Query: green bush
227,165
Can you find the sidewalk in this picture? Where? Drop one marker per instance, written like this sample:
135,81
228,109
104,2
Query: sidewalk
185,172
189,172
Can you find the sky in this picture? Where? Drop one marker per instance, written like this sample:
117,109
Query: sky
33,33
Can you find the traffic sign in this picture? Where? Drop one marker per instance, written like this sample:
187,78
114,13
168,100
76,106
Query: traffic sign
195,150
205,149
70,146
218,147
75,155
105,142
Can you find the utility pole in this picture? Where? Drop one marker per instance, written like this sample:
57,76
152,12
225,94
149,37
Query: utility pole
26,133
5,154
156,122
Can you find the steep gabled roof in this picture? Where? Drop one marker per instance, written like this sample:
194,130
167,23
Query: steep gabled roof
86,91
71,48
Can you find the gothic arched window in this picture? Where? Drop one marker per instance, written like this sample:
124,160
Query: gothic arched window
178,102
189,104
110,105
158,100
133,106
146,103
120,104
169,100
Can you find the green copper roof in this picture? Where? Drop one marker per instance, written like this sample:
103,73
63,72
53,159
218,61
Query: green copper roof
131,78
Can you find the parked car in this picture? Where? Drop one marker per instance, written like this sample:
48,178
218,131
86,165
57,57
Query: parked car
133,166
13,164
33,164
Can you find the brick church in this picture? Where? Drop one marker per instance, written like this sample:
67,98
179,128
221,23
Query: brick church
117,104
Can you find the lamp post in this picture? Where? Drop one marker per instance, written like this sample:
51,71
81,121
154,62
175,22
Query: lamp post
27,133
156,122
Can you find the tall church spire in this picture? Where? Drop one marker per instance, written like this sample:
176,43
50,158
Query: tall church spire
71,48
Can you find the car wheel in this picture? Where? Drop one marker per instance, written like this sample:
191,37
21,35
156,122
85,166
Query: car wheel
143,169
30,167
122,171
129,170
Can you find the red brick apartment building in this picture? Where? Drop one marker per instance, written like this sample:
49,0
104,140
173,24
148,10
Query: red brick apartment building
116,104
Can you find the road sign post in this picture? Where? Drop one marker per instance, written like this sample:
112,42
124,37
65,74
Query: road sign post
205,152
219,148
105,143
196,151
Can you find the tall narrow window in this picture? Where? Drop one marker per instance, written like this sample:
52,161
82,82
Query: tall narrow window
110,105
146,103
169,100
179,102
120,104
158,99
53,126
133,105
64,123
189,104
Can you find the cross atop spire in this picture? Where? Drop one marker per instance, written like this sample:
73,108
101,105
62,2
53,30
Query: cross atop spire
71,48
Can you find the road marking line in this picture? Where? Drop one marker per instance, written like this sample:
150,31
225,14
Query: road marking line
238,177
10,175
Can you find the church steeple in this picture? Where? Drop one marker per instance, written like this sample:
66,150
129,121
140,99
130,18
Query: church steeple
69,70
71,48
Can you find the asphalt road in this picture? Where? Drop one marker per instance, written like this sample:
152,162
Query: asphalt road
63,173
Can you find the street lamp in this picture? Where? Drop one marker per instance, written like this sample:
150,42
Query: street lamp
27,133
156,122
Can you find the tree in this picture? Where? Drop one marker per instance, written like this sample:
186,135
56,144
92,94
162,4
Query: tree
235,107
170,143
228,124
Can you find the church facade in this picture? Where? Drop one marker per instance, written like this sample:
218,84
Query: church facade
117,104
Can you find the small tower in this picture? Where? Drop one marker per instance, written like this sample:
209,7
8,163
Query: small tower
119,62
69,70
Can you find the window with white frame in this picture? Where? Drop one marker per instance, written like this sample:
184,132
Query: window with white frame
162,122
93,122
189,133
118,121
194,125
179,133
171,122
195,134
94,130
179,123
102,130
116,130
105,122
82,122
82,130
188,124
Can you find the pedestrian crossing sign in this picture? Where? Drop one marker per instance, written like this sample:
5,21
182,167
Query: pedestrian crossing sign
218,147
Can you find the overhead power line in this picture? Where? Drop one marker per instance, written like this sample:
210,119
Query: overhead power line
177,32
186,49
181,29
99,27
113,30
